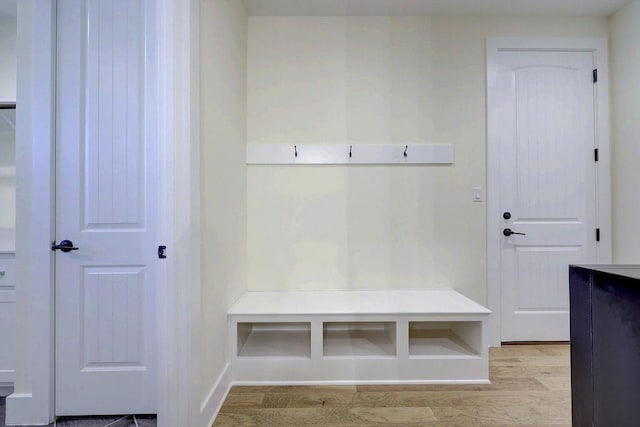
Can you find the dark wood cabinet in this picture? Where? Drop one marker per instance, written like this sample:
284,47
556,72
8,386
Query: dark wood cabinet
605,345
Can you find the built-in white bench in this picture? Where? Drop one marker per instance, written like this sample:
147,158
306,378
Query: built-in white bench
398,336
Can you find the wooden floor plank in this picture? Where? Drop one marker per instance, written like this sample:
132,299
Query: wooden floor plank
243,400
495,415
530,387
505,383
292,389
311,398
459,399
528,371
325,417
531,361
557,383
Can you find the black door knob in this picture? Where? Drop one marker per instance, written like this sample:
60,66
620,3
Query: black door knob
506,215
508,232
64,246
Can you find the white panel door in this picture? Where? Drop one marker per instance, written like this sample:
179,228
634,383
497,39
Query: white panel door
547,186
105,203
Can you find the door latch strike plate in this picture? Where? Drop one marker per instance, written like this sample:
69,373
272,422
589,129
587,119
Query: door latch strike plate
162,252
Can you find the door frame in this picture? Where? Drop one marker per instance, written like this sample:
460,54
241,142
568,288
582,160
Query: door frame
599,48
174,31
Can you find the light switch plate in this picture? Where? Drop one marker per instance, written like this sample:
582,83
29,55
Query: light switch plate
477,194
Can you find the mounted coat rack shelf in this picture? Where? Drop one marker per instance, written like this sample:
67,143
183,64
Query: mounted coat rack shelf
342,154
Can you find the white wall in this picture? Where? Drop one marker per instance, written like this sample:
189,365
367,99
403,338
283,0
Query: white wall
223,47
377,80
625,67
7,58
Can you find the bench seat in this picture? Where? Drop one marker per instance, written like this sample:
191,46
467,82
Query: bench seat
358,337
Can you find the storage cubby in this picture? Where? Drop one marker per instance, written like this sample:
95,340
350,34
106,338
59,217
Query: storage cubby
366,339
274,340
445,339
432,336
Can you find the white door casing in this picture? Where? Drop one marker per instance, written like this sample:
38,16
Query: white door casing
543,128
105,204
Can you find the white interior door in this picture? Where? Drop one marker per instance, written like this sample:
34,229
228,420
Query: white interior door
105,204
545,100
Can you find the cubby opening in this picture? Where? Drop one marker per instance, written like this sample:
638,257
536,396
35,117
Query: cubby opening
361,339
274,340
445,339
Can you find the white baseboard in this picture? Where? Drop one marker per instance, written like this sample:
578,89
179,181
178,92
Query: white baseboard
216,396
20,411
373,382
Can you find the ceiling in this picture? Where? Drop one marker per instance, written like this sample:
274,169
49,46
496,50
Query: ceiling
8,8
415,7
434,7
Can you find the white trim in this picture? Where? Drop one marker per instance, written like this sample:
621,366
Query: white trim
7,376
215,398
559,44
179,210
375,382
168,378
18,410
599,47
33,402
344,154
603,141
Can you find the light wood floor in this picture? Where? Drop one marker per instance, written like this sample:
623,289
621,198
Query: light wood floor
530,387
